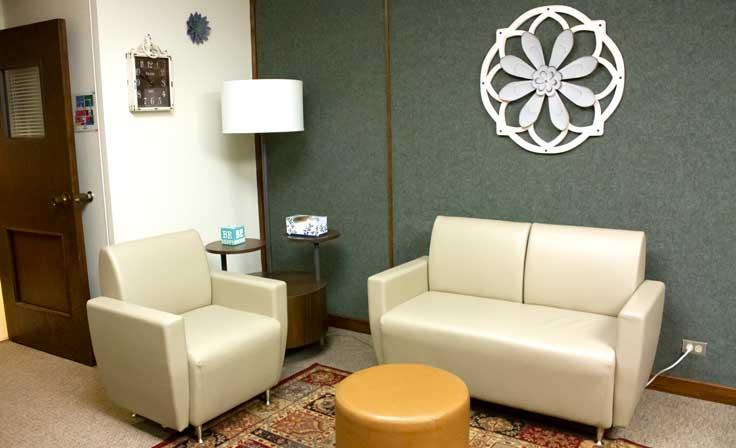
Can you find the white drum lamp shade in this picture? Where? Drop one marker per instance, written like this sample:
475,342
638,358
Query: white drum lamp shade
258,106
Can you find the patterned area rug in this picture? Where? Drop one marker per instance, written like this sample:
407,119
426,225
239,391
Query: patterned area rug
302,415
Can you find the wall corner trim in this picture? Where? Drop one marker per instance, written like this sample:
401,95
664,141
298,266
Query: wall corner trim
257,143
389,134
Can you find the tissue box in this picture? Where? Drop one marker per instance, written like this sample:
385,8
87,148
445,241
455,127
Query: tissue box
232,235
306,225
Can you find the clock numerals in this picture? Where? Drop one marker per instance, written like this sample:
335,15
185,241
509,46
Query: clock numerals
153,86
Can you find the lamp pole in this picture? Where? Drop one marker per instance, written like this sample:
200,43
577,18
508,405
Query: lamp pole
266,214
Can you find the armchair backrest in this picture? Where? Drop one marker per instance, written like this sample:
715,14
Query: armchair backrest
478,257
582,268
168,272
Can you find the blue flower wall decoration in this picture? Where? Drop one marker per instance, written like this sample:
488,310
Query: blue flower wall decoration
198,28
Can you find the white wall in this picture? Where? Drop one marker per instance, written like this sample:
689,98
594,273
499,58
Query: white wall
166,171
156,172
82,78
176,170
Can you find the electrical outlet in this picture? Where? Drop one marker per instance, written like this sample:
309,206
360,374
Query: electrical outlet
699,348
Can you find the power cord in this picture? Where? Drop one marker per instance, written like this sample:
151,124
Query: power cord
688,349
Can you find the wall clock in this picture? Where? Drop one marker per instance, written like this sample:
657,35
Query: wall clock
150,86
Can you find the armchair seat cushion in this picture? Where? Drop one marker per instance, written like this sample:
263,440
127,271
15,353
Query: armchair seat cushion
232,356
549,360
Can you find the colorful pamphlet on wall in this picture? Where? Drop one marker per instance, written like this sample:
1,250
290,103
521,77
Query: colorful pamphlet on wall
84,112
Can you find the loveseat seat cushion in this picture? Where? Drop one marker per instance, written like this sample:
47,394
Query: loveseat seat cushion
233,356
479,257
542,359
583,268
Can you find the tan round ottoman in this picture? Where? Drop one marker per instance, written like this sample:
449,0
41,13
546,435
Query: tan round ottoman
402,405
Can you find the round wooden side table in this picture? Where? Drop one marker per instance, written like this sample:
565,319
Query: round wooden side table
306,309
315,241
306,291
250,245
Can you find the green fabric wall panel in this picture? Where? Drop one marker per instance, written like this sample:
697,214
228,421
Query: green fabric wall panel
337,166
665,165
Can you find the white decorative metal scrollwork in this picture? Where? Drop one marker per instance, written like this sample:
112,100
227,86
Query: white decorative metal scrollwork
550,79
149,49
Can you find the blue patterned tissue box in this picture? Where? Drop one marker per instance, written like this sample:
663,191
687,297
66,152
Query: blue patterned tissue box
232,235
306,225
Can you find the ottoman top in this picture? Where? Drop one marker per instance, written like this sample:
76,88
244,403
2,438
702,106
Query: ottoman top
401,393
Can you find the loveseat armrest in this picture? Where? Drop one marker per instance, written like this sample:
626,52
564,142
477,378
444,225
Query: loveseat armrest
391,288
639,324
142,357
253,294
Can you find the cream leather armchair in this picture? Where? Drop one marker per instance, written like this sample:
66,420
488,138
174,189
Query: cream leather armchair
180,345
552,319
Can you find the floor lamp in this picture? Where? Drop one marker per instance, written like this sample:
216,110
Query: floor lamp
261,106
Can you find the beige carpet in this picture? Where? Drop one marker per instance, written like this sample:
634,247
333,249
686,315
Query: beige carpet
49,401
302,414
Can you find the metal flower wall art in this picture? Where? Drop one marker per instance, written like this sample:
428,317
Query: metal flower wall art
547,81
198,28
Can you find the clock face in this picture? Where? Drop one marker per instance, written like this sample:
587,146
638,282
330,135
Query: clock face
153,86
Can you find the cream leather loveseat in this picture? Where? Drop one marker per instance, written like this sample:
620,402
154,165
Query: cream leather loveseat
552,319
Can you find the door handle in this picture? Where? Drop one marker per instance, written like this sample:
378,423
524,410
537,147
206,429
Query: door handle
67,198
63,199
84,197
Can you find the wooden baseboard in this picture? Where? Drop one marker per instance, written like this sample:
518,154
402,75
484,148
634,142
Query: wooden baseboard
348,323
695,389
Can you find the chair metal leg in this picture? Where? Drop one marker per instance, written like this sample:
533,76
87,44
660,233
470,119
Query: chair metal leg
199,434
268,397
599,436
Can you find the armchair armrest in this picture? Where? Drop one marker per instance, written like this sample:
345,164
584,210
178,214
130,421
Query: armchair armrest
393,287
142,356
253,294
639,323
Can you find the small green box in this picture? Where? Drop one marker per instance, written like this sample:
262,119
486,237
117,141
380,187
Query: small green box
232,235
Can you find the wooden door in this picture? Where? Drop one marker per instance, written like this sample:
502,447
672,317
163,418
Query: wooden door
43,270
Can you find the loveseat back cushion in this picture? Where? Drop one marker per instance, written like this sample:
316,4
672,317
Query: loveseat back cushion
583,268
478,257
168,272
